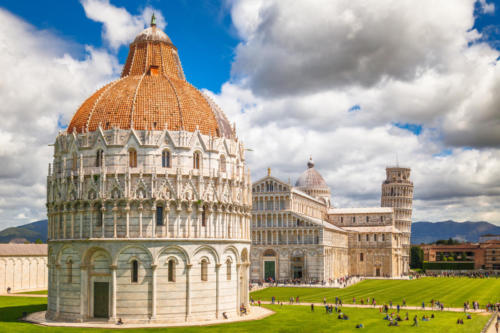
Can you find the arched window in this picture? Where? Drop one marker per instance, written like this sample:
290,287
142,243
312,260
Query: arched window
159,215
222,163
228,269
69,267
204,216
135,271
99,158
74,162
196,160
204,270
165,159
361,257
132,158
99,215
171,270
367,219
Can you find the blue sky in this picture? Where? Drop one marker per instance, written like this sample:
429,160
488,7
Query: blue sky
201,27
350,84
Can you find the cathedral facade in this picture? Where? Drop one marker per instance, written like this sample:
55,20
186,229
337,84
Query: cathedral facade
298,235
148,200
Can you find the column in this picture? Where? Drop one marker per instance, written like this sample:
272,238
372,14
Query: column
188,291
115,210
238,282
140,219
91,232
153,291
81,222
217,289
64,222
58,289
83,291
287,237
113,293
166,218
103,212
127,220
153,220
73,212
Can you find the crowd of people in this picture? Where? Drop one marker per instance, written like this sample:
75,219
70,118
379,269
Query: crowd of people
393,317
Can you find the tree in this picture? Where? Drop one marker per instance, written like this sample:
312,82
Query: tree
416,257
38,241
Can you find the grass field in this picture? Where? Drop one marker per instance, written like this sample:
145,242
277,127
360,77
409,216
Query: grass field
38,292
286,319
453,292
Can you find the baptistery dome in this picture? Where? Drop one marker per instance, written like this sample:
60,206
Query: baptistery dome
148,201
152,93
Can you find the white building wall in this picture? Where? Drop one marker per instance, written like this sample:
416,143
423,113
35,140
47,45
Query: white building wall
23,273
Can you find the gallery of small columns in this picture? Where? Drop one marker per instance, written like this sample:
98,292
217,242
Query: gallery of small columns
147,219
307,206
147,281
23,273
287,229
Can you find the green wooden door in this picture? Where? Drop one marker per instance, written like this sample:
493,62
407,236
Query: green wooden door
101,299
269,270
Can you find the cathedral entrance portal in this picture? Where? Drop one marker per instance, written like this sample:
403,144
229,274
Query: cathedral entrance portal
298,267
297,272
269,257
377,272
101,300
269,270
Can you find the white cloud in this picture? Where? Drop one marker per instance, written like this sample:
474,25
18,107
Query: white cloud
40,86
302,65
119,26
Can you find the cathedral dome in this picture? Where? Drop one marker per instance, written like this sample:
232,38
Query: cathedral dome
311,178
152,94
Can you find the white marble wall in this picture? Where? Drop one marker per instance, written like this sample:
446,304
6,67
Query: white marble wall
152,298
23,273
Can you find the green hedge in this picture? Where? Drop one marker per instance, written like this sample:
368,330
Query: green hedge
448,265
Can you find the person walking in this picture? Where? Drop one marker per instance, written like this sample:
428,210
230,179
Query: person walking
423,305
415,321
398,307
312,307
324,300
497,325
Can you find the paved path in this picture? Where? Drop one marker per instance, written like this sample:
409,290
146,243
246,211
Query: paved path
321,305
24,295
255,314
492,329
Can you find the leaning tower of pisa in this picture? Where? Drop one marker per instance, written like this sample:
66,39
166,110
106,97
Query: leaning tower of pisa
397,192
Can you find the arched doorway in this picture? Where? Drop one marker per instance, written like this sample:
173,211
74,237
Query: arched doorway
269,265
297,265
98,287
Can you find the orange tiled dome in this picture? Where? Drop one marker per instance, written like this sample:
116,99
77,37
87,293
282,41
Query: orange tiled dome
152,93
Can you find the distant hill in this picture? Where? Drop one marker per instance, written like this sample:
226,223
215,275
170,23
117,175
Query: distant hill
421,232
31,232
428,232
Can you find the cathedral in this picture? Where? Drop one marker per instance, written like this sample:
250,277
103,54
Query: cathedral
297,235
148,200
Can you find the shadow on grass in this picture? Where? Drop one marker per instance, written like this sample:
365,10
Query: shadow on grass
14,313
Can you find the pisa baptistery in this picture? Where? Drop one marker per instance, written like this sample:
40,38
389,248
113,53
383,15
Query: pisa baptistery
148,200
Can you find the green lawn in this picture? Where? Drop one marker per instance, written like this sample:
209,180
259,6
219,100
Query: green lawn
38,292
451,291
286,319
